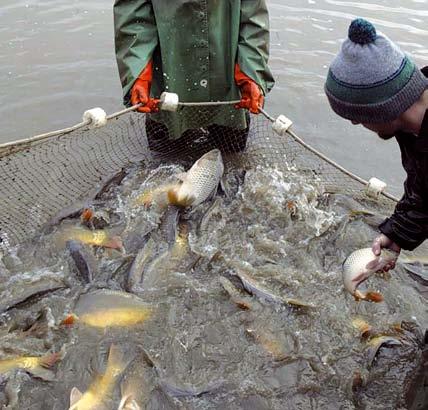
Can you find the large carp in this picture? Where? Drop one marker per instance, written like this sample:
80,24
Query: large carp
199,183
359,266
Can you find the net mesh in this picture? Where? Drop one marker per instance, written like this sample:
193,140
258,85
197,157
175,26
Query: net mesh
42,179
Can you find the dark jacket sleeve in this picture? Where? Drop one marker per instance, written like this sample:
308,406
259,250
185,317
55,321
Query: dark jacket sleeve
408,225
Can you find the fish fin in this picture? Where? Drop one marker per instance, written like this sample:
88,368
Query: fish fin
115,363
181,176
75,396
181,202
358,295
128,403
70,320
115,242
86,215
242,304
49,360
375,297
374,264
359,278
41,371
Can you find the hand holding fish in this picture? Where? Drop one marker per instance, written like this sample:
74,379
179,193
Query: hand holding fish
383,242
360,265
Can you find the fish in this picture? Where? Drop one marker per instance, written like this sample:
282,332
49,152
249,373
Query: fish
139,265
95,219
417,272
109,308
37,366
75,209
360,212
129,403
179,258
234,294
137,384
416,266
97,237
252,286
169,224
84,261
359,266
102,387
206,219
110,182
86,216
374,344
421,259
270,343
200,182
370,218
26,287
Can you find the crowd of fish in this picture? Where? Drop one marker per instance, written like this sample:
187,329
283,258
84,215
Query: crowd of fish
215,287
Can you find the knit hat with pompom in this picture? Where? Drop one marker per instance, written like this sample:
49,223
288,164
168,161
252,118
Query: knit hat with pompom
371,80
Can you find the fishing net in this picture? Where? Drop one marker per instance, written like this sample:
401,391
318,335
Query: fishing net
42,178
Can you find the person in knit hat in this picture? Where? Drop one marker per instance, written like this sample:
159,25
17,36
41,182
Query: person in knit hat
373,83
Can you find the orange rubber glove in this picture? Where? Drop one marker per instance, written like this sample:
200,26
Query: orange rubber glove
251,95
140,93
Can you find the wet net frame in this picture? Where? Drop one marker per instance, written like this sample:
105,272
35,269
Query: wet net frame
64,170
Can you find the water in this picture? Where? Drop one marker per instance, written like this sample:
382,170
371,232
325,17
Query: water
57,60
197,348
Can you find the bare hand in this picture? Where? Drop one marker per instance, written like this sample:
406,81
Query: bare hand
383,242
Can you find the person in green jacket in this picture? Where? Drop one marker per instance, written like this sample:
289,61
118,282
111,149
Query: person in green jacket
202,50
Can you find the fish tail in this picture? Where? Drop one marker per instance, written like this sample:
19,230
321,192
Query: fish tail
128,403
375,297
69,320
49,360
184,202
115,242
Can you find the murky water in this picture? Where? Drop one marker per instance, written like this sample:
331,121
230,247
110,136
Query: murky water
57,60
191,344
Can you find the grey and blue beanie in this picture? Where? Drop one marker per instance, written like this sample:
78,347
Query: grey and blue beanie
371,80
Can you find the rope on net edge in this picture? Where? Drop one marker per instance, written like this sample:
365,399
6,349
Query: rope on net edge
97,117
326,159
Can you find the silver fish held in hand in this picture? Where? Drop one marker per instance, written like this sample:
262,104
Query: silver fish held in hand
359,266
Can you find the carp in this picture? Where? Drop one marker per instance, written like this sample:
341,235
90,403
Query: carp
359,266
100,390
37,366
200,182
96,237
108,308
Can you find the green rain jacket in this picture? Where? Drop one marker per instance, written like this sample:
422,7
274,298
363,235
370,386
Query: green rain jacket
194,45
